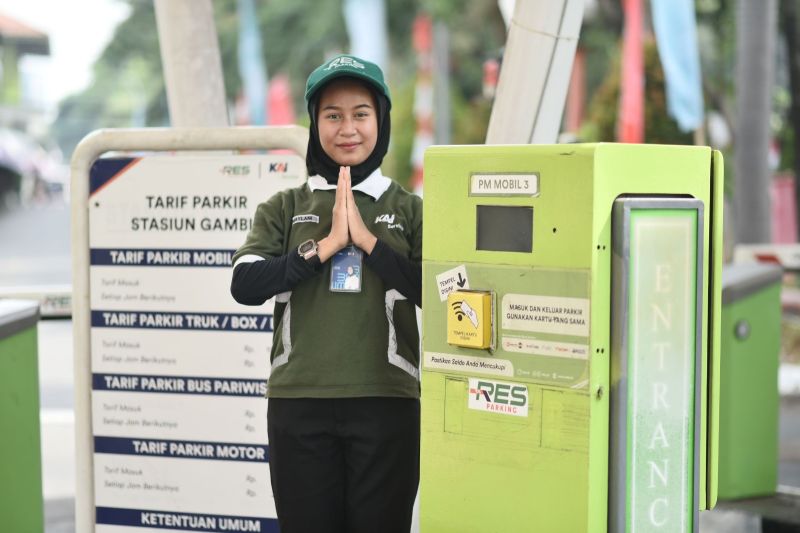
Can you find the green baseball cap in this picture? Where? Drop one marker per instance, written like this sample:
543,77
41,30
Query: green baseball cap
350,66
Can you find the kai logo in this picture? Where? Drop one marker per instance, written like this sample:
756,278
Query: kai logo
389,220
498,397
279,167
344,62
235,170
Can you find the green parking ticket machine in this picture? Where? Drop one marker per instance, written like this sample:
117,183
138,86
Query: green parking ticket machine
571,299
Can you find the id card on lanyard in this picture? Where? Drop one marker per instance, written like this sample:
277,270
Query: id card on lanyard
346,270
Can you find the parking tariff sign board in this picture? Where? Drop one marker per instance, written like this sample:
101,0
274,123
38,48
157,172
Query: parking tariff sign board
179,369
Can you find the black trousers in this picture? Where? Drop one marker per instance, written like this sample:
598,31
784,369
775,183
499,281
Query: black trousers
345,465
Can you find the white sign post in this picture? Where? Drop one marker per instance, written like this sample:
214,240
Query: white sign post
174,414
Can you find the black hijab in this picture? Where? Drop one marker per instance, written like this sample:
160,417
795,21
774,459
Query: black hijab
318,162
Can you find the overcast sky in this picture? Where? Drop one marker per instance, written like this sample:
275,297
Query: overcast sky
78,30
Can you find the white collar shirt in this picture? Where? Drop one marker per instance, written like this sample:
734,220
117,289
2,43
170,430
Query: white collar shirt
374,185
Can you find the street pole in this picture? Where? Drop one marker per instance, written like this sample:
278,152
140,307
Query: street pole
441,83
534,76
755,70
191,63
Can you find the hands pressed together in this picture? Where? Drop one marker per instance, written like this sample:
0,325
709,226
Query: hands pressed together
347,225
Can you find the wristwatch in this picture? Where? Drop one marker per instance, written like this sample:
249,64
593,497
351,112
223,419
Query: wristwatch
308,249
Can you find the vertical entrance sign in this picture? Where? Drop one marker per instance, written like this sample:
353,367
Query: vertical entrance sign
656,365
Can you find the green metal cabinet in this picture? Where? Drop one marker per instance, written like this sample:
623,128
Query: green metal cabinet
21,508
751,336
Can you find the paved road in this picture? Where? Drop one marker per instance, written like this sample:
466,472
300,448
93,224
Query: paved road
34,251
56,398
789,453
35,245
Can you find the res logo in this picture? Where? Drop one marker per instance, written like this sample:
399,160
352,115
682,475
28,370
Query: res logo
344,62
235,170
498,397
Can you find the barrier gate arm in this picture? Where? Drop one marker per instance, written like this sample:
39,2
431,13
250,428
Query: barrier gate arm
86,153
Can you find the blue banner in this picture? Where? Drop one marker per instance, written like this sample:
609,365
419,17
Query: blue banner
252,67
366,29
676,35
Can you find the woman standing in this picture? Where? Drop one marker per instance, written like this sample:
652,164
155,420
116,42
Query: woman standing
343,415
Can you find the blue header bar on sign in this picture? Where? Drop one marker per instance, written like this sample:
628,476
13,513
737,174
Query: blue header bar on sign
184,521
179,385
222,451
162,257
166,320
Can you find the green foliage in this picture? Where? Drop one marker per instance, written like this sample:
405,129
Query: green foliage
127,87
598,41
442,9
477,33
297,35
604,109
470,119
786,98
397,163
783,128
716,34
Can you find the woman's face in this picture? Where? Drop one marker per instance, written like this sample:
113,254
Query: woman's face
347,121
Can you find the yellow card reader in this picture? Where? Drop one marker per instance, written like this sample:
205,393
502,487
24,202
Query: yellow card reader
469,319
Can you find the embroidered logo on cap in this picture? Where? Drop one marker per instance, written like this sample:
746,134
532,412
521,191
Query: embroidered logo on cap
344,62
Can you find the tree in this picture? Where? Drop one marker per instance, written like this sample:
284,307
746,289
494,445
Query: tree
790,141
128,88
659,127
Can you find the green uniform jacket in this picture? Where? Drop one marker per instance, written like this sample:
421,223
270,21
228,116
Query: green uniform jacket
333,344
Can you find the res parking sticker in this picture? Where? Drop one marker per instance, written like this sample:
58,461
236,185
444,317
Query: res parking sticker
498,397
